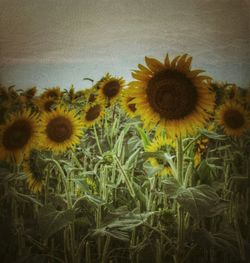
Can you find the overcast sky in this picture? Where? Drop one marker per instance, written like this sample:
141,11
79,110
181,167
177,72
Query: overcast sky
59,42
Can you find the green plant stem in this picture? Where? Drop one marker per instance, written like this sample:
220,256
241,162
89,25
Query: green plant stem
193,141
87,253
150,198
63,178
69,203
105,249
75,159
126,178
97,141
169,241
180,160
180,212
46,188
98,225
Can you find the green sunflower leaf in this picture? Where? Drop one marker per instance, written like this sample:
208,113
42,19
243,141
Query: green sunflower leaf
50,220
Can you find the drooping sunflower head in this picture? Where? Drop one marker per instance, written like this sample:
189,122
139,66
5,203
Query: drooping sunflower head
30,93
110,89
93,113
9,93
90,95
233,92
171,96
33,168
72,93
18,135
161,144
233,118
79,94
200,149
46,104
61,129
127,104
4,112
244,98
219,90
4,96
99,82
54,93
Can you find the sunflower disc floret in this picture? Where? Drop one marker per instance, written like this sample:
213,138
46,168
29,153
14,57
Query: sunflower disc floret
233,118
171,96
161,144
18,135
61,129
110,88
93,113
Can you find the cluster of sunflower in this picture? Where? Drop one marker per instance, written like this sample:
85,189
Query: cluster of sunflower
170,98
53,121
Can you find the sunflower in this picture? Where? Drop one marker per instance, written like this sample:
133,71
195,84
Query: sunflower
61,129
46,104
234,118
79,94
90,94
220,92
73,96
4,110
18,135
171,96
21,99
54,93
30,93
127,104
246,97
110,88
93,113
33,168
200,149
104,78
161,143
4,96
233,92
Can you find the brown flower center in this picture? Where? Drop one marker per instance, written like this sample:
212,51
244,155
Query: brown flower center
30,93
92,98
234,119
111,88
35,167
131,106
17,135
93,113
53,94
59,129
48,105
172,94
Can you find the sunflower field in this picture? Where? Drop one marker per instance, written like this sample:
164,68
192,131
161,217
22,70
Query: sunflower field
151,171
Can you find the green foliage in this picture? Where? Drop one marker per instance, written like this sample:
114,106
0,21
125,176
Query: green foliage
51,221
104,202
201,201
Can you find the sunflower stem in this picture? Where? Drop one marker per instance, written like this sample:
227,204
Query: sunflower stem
193,141
97,141
63,178
75,159
180,160
126,178
71,229
46,188
105,249
180,212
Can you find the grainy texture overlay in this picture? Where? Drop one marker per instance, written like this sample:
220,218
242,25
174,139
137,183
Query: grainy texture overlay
59,42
